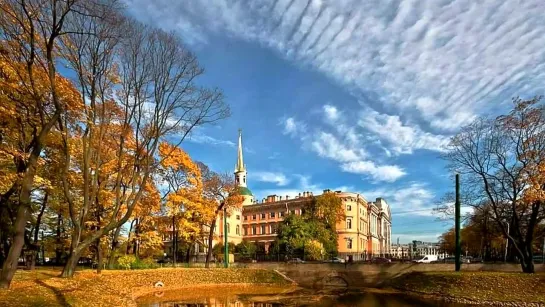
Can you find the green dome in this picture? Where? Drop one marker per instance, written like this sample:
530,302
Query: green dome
245,191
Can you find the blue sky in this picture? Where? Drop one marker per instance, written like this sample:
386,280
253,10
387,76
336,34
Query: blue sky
359,96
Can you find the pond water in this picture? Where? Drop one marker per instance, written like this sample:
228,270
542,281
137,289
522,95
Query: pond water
256,296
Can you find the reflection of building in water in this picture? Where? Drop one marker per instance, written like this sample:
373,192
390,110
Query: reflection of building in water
365,230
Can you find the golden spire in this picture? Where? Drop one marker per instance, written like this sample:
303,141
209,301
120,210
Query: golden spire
240,161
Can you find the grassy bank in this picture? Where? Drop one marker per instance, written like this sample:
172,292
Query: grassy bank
118,288
475,287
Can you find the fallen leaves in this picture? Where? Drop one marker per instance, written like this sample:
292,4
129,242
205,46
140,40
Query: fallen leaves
119,288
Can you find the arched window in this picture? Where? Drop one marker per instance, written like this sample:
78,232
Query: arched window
237,230
244,179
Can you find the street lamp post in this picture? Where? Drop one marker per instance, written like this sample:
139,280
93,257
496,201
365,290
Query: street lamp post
506,242
226,244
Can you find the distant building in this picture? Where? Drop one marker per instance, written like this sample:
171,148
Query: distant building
417,249
365,230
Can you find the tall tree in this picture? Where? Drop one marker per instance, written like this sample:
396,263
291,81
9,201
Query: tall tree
502,165
158,98
29,39
183,196
220,194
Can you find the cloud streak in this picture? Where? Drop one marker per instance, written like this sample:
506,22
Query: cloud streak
277,178
437,62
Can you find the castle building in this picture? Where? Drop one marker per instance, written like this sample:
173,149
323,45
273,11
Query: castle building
364,232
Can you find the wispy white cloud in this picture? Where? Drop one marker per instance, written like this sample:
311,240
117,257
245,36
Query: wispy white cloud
206,139
342,144
299,184
400,138
387,173
292,127
441,62
272,177
415,198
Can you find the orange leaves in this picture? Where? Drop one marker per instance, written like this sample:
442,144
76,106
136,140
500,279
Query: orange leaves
177,160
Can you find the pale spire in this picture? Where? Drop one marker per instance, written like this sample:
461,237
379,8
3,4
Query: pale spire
240,161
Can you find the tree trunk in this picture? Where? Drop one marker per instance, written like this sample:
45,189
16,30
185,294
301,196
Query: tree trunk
129,237
73,257
100,258
10,264
58,242
71,264
188,253
210,241
174,241
114,248
36,233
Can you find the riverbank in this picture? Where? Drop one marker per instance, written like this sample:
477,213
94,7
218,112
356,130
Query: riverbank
43,287
487,288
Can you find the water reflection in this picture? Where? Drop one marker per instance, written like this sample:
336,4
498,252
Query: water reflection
266,297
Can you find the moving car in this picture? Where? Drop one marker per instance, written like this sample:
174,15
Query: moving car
380,260
427,259
335,260
296,260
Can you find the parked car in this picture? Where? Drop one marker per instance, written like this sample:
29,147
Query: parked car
380,260
296,260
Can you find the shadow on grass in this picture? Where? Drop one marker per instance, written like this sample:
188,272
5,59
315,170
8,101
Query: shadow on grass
58,294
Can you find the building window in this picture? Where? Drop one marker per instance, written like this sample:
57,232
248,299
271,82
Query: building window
254,217
244,179
237,229
302,211
262,216
245,217
349,243
281,213
263,229
348,207
254,230
228,228
274,228
348,223
245,231
272,214
238,217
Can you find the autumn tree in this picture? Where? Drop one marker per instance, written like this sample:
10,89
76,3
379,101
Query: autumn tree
29,40
183,202
221,195
501,162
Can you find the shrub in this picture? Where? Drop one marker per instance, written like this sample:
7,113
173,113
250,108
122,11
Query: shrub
125,262
146,263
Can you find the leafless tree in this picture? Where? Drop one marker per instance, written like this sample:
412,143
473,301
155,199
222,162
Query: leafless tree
501,163
159,98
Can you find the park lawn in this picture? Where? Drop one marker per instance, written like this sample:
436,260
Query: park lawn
43,287
480,287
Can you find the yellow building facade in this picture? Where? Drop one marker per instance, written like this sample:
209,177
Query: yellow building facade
364,232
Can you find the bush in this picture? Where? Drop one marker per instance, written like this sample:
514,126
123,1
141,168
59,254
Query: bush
125,262
146,263
128,262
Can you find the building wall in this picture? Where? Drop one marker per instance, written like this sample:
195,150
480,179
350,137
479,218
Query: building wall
353,230
361,234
